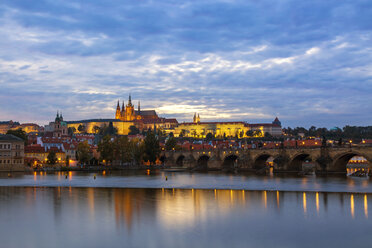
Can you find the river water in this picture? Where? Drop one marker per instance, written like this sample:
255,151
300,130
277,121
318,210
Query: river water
143,209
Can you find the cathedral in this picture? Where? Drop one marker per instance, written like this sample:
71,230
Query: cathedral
128,113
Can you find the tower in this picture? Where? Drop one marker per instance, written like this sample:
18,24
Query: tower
198,119
122,112
139,107
129,114
117,114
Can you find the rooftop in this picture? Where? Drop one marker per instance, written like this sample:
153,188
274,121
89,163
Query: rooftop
9,137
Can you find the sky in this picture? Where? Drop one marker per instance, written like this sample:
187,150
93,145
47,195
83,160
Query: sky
308,62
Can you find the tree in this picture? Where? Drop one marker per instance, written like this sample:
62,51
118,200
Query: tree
171,134
106,149
249,133
133,130
67,163
123,149
193,133
182,133
111,130
209,137
81,128
170,144
257,133
71,131
138,150
151,147
96,129
241,134
83,152
18,133
52,158
268,135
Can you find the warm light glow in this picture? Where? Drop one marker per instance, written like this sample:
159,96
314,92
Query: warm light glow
317,202
277,198
365,206
352,205
265,198
304,202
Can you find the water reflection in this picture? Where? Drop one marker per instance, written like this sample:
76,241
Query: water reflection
177,217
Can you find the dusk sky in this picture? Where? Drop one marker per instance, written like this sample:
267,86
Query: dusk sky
307,62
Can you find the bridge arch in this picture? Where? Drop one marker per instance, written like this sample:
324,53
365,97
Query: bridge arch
202,162
230,161
340,161
260,161
180,159
163,159
296,162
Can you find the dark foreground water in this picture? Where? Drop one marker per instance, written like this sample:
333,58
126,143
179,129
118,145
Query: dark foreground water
142,209
103,217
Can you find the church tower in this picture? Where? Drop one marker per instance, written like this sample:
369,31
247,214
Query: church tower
122,112
118,113
129,111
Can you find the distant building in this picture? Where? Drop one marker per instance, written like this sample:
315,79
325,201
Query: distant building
11,153
8,125
125,117
58,128
39,154
219,129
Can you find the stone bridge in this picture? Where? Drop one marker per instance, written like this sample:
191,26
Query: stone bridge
327,160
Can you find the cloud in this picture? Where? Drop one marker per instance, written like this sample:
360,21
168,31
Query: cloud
308,62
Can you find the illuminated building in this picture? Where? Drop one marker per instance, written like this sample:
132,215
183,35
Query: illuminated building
7,125
239,129
58,127
11,153
125,117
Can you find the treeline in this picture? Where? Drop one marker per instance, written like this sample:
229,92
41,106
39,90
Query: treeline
347,132
121,150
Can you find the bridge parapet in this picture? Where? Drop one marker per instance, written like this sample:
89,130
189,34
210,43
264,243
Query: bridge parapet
329,159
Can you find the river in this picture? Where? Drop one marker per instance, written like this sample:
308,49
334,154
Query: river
143,209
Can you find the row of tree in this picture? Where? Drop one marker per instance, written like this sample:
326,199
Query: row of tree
121,150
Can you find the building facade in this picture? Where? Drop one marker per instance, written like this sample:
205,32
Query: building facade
125,117
11,153
198,129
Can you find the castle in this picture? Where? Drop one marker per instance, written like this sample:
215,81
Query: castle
125,117
128,113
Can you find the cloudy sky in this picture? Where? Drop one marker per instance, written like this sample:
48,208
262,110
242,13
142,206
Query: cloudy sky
307,62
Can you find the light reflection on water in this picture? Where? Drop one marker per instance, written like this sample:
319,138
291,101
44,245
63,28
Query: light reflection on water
99,217
212,180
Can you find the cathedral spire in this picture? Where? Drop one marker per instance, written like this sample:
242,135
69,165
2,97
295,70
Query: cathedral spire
122,107
117,114
130,100
139,106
